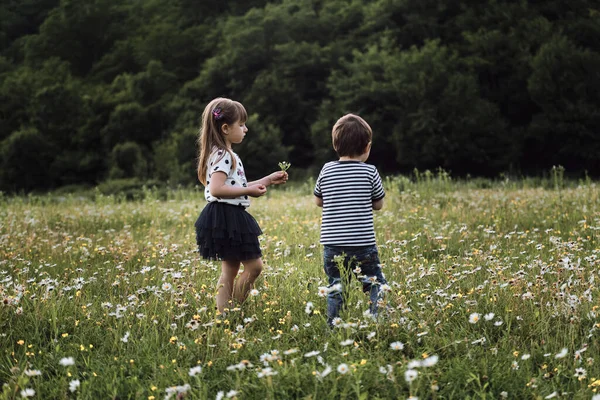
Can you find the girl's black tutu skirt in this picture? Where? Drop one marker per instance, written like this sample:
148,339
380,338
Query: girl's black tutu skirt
227,232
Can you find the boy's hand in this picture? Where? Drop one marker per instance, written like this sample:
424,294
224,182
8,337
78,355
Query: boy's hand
277,178
257,190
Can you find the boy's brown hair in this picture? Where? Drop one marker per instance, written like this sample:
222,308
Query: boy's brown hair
351,135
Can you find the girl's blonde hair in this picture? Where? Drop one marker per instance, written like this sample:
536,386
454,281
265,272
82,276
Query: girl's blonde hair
218,112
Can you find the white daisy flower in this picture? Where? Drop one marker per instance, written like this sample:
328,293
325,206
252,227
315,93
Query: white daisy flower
563,353
343,369
67,361
74,385
474,318
410,375
27,392
396,345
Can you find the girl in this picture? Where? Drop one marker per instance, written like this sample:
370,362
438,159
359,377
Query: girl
224,230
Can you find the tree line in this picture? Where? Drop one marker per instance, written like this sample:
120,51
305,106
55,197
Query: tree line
107,89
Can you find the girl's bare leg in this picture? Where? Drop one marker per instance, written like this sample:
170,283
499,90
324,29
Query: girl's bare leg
229,270
252,269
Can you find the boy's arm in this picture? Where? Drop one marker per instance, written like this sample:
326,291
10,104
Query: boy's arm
318,201
378,204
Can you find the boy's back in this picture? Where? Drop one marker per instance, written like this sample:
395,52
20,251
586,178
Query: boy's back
348,190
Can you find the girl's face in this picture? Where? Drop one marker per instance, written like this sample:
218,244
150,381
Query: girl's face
235,132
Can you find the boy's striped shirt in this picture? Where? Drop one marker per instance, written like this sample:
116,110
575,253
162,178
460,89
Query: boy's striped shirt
348,189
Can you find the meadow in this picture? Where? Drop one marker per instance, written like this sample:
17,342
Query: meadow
492,294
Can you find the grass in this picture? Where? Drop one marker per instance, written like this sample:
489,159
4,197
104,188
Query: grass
497,281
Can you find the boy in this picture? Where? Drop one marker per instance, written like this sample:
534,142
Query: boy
349,190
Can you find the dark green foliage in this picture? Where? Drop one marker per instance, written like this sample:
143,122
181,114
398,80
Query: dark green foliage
127,161
476,87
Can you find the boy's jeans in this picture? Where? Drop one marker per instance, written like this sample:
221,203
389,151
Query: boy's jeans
368,273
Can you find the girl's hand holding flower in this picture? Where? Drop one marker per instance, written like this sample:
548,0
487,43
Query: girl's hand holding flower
277,178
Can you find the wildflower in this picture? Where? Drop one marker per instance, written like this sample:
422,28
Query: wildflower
166,286
489,316
27,392
254,292
563,353
74,385
220,395
552,395
580,373
515,365
474,318
343,369
266,372
33,372
504,394
309,308
430,361
525,356
347,342
326,371
195,370
312,353
290,351
231,393
125,338
410,375
179,391
396,345
371,335
498,323
67,361
323,291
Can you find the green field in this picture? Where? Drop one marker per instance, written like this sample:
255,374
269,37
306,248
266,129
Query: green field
493,294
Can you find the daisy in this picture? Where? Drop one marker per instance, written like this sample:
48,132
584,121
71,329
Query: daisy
254,292
195,370
166,286
430,361
27,393
33,372
347,342
396,346
489,316
525,356
326,371
309,308
474,318
580,373
323,291
125,338
552,395
563,353
231,393
67,361
312,353
410,375
74,385
343,369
